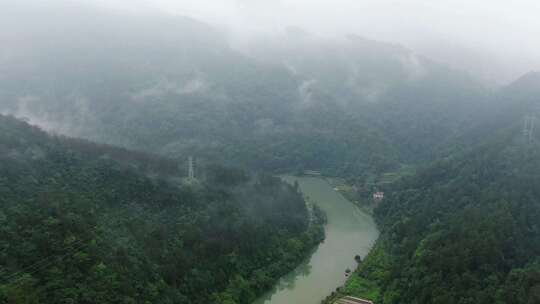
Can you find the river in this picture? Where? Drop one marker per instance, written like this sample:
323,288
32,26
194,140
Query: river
349,232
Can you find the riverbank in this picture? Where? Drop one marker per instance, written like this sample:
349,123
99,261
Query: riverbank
348,191
366,281
349,232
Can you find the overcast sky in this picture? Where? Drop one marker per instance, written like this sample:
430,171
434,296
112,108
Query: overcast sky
496,39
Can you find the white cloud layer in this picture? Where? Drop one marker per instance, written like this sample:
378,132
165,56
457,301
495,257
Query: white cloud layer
495,39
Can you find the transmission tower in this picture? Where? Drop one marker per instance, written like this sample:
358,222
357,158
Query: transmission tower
191,170
528,127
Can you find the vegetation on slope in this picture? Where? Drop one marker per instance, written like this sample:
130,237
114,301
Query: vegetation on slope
462,231
179,89
76,226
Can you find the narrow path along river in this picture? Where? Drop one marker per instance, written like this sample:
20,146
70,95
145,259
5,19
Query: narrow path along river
349,232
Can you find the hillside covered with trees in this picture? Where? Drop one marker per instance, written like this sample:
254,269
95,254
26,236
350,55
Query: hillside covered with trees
82,221
78,226
348,106
464,229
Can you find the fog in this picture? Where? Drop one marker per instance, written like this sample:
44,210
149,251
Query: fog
146,147
494,40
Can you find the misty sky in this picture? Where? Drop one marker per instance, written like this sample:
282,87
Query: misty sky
495,39
498,39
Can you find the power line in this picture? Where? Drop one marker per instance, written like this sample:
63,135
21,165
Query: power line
47,261
16,276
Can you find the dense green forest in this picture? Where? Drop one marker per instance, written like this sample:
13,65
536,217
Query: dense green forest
82,222
181,89
78,226
465,229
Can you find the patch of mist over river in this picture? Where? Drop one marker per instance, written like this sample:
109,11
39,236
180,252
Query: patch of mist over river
349,232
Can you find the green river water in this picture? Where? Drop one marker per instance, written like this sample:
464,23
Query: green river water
349,232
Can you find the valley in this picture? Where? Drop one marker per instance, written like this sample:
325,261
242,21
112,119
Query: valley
160,158
348,232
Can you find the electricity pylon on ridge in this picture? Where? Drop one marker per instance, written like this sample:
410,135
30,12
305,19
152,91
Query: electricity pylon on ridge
191,169
528,128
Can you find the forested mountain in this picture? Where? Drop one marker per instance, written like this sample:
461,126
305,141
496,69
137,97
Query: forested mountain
465,229
508,105
174,86
88,223
411,102
82,222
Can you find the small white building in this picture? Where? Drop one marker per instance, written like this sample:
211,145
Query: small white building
378,196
